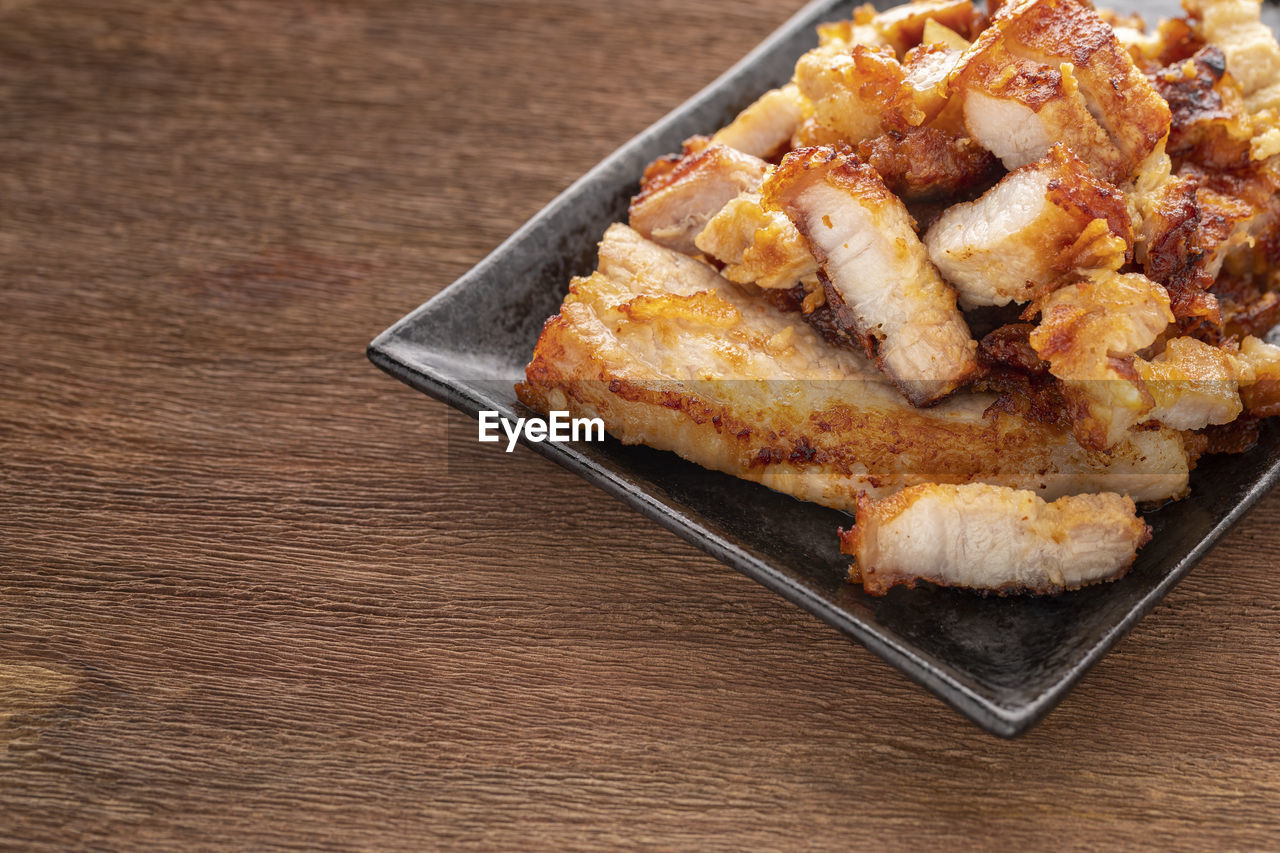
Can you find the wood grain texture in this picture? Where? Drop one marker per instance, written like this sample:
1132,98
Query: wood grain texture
252,595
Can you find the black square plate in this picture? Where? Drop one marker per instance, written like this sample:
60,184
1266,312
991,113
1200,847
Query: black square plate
1001,662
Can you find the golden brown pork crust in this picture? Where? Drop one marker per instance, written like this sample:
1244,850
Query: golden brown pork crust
925,162
1052,31
664,172
1209,123
997,71
1074,189
806,166
1176,252
851,88
992,69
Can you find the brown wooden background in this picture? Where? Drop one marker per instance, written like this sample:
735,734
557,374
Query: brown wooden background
244,601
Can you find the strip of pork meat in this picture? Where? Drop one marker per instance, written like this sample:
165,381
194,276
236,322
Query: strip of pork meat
672,355
1090,334
675,203
991,538
1192,384
851,88
1196,385
1048,71
1024,235
877,275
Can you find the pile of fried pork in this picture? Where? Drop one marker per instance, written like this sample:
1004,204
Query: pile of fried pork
983,279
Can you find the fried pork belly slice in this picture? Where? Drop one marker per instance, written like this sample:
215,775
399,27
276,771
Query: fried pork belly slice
1193,384
1253,58
1116,92
1018,109
1089,332
757,246
1035,226
922,163
991,538
672,355
879,278
859,91
1046,71
675,205
765,127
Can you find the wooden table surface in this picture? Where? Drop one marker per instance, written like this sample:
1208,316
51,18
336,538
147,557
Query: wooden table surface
255,593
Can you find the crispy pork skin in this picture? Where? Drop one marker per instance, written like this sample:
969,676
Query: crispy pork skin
991,538
1018,109
1193,384
1210,124
765,127
928,163
850,88
672,355
1089,333
1038,224
757,245
1260,377
880,278
674,207
1116,92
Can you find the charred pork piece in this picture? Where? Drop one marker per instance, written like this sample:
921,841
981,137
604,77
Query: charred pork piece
922,163
1210,124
